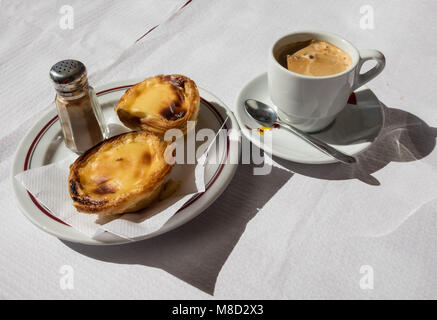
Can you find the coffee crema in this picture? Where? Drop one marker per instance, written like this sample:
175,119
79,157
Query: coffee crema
318,58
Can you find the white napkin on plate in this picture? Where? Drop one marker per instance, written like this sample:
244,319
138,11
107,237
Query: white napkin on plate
49,185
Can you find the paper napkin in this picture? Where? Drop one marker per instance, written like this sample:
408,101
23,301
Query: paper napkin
49,185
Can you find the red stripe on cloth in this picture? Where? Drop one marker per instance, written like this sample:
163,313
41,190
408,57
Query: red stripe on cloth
186,3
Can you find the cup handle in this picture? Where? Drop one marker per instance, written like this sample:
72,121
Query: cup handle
366,55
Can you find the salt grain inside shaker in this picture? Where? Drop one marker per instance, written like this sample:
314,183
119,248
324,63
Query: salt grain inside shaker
79,111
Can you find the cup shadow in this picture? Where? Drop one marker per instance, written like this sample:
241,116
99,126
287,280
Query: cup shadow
404,137
196,251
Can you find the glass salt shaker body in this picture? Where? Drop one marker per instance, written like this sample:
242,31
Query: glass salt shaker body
80,114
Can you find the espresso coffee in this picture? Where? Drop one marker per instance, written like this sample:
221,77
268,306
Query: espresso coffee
316,90
316,58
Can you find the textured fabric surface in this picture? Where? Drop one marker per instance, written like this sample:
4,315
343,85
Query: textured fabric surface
301,232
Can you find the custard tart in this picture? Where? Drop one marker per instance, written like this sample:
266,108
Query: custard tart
160,103
122,174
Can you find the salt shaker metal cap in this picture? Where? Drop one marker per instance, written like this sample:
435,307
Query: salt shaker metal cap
68,76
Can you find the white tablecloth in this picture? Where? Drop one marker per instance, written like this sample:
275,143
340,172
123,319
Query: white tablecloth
303,233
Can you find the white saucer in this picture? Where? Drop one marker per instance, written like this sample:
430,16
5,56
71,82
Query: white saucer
43,144
354,129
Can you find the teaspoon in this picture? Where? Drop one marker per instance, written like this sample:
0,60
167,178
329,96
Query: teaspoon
267,116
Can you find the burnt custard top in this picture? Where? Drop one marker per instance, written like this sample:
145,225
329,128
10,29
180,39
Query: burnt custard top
159,96
159,103
120,167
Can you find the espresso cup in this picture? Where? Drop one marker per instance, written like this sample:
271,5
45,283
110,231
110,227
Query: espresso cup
311,103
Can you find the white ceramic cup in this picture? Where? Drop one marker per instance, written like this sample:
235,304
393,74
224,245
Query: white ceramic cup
311,103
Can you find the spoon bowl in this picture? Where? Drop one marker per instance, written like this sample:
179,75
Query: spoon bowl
261,112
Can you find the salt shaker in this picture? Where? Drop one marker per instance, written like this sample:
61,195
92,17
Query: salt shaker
80,114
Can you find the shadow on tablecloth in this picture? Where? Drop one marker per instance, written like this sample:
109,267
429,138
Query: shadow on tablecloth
403,138
196,251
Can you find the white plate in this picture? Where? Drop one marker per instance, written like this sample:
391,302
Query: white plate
43,144
354,129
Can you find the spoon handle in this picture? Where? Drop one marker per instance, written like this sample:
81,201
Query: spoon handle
322,146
